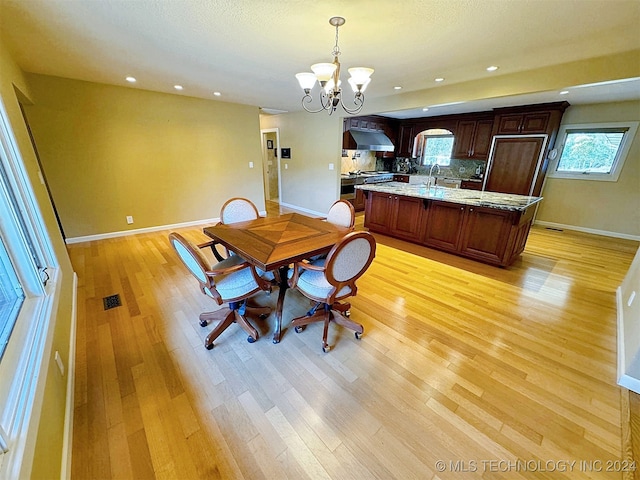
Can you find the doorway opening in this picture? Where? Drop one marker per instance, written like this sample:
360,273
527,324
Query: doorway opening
271,164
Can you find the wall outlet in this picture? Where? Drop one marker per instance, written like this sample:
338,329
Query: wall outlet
331,166
129,219
462,169
250,164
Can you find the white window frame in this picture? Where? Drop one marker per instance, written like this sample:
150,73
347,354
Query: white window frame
556,154
23,366
419,149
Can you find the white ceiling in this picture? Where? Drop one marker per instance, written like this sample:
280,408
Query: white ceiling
250,50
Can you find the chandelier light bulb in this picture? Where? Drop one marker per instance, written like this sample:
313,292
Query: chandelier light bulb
323,71
360,75
306,80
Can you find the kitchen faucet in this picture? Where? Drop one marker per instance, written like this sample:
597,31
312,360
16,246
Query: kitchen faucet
431,175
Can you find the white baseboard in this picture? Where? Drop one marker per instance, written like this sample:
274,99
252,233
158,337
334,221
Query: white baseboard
306,210
67,440
123,233
576,228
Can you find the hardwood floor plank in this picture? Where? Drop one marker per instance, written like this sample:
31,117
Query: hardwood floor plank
459,362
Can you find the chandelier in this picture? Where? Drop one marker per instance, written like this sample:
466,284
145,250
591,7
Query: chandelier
328,76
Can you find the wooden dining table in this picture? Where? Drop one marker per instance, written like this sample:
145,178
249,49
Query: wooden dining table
273,243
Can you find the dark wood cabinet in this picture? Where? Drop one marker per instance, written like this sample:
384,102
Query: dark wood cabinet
443,226
523,123
515,163
358,202
407,217
473,139
406,136
519,159
491,235
486,233
378,211
394,215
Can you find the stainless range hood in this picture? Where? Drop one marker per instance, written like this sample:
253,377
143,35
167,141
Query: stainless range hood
365,140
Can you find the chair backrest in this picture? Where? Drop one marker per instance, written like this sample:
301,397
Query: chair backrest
192,258
342,214
238,210
350,258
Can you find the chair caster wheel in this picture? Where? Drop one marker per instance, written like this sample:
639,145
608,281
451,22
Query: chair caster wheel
251,339
326,348
209,347
299,328
203,323
358,335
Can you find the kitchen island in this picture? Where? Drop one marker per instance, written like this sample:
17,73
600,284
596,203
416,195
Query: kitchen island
487,226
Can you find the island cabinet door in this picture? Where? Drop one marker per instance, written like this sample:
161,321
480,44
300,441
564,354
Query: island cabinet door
378,211
444,225
407,217
485,234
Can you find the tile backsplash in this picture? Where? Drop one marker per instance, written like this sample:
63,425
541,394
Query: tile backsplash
456,169
365,161
362,160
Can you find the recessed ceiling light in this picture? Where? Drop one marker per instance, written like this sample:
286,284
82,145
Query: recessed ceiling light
130,79
564,92
445,104
492,68
397,87
178,87
439,79
217,94
425,109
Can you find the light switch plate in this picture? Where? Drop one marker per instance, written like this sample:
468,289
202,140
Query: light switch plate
331,166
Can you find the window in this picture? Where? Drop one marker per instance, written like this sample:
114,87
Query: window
29,288
593,152
434,146
11,297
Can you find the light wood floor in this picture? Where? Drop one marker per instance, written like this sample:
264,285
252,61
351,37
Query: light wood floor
460,362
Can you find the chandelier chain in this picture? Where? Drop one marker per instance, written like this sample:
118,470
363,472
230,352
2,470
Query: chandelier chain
336,48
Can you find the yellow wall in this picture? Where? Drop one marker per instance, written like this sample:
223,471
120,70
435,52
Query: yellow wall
110,151
606,206
44,436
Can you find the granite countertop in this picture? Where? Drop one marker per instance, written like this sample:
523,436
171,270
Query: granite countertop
502,201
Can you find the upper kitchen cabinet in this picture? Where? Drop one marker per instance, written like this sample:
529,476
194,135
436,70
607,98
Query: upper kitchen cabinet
473,138
406,138
529,119
522,139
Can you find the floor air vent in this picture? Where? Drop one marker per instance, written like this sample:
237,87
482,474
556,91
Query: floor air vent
112,301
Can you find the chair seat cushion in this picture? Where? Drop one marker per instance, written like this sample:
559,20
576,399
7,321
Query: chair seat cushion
315,284
268,276
235,284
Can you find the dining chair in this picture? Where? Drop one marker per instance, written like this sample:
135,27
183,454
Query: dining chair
330,280
232,281
234,210
238,209
342,213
